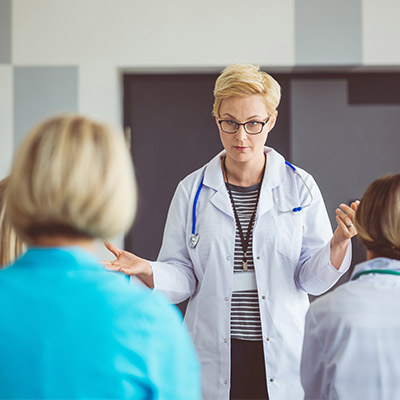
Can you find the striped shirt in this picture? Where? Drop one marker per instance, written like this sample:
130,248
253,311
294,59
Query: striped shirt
245,311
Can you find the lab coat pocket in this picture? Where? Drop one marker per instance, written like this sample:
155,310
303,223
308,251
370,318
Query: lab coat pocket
288,228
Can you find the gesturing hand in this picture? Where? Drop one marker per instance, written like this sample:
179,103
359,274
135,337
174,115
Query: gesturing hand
129,264
343,233
345,219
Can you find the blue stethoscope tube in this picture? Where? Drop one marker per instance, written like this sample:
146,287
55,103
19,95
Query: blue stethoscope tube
299,208
295,209
195,236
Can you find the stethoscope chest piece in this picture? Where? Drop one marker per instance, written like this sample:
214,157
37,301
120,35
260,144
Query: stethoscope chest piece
194,239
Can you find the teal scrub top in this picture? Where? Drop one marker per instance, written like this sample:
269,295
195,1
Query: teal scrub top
71,329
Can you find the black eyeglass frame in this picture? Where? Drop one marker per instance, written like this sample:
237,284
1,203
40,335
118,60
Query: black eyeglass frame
238,124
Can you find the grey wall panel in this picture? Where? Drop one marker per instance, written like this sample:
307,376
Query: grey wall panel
40,92
344,146
5,31
328,32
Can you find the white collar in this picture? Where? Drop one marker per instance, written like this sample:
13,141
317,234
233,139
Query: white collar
379,263
275,172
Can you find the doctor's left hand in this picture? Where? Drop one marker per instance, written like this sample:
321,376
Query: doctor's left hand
129,264
345,218
344,232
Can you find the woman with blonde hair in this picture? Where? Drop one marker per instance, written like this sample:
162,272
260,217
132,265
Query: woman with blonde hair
246,239
71,329
11,246
351,343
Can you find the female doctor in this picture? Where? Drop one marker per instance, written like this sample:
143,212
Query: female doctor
246,239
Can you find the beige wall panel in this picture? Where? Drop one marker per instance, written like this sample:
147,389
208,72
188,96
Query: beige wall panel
154,33
381,32
6,119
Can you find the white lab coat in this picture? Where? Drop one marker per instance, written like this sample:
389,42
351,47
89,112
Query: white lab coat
291,259
351,343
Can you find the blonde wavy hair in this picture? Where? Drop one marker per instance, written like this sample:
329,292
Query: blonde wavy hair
72,176
377,218
11,246
241,80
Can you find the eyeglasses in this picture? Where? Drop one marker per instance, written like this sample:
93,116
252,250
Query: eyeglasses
251,127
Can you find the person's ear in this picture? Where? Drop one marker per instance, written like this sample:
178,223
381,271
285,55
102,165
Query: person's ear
272,121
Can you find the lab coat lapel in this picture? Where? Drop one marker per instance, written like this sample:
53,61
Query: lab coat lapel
214,179
275,174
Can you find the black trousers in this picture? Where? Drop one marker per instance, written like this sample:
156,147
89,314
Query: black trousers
247,370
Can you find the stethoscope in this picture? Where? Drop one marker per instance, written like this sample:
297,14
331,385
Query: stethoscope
375,271
194,238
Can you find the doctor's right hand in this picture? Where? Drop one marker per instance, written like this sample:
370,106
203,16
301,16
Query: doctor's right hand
129,264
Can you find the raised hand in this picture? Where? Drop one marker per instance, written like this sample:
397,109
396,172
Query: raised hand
129,264
345,219
343,233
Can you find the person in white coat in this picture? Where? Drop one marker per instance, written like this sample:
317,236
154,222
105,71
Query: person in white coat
247,238
351,343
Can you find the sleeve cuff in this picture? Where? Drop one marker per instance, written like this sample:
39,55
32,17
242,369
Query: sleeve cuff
345,265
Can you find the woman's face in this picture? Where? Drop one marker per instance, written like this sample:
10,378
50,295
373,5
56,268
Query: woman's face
240,146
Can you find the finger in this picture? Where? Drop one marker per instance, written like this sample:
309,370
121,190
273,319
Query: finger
346,209
343,215
127,271
344,218
112,267
114,249
355,204
348,229
343,226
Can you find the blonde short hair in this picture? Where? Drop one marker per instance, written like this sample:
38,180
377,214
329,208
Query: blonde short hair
377,218
72,176
241,80
11,246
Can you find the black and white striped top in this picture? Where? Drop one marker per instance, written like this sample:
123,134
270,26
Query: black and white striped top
245,312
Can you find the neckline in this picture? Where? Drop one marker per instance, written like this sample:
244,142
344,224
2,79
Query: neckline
244,188
225,173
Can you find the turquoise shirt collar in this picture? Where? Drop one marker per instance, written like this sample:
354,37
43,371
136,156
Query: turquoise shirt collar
73,253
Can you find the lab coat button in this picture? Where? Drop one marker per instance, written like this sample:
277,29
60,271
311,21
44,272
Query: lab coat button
225,382
258,258
263,297
271,380
226,299
228,258
225,340
267,339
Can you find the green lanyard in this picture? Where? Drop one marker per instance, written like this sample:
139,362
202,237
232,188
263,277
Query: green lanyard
375,271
